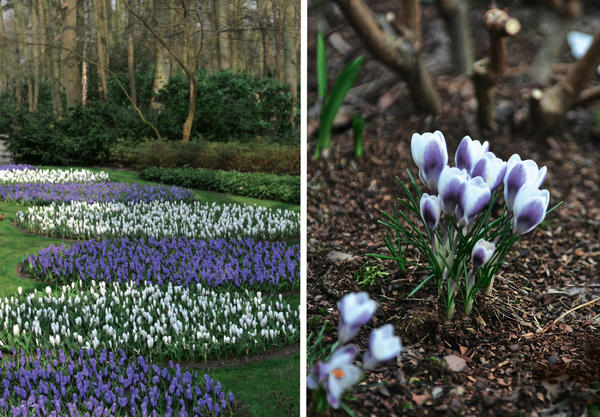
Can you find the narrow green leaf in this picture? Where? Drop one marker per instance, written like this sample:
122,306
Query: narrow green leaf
358,126
321,66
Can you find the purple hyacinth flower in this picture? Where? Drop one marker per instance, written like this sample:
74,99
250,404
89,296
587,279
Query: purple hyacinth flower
491,168
383,346
520,174
473,200
431,210
340,374
355,310
529,209
482,253
451,187
431,156
469,152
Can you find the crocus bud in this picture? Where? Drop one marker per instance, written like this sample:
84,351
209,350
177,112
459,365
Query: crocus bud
451,187
340,373
529,209
491,169
431,209
16,331
431,156
474,199
482,253
469,151
383,346
519,174
355,310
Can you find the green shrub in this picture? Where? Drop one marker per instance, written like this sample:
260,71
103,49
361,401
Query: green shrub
285,188
254,156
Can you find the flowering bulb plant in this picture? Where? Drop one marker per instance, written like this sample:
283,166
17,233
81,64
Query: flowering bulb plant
332,370
463,244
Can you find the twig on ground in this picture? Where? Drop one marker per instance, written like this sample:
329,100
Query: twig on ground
570,311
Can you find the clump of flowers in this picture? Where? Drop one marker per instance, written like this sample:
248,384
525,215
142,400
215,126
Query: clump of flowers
330,377
463,245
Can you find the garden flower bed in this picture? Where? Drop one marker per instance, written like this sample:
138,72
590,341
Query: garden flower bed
237,263
160,322
102,383
158,219
44,193
28,174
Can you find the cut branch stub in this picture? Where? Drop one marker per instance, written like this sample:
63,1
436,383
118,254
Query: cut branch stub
499,25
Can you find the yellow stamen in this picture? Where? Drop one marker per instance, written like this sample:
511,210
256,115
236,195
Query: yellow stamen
338,373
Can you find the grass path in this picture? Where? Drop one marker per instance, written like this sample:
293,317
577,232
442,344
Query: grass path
270,388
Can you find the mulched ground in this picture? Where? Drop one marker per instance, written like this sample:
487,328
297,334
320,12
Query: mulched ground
518,361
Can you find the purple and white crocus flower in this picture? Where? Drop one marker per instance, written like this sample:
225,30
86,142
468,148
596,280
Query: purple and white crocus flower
383,346
339,374
482,253
431,156
431,210
469,152
520,174
355,310
491,168
474,199
529,209
451,187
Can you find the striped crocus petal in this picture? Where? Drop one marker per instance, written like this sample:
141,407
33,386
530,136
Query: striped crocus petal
474,199
383,346
520,174
451,187
491,168
469,151
355,310
529,209
431,210
431,156
482,253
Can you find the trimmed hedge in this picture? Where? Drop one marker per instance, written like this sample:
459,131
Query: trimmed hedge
285,188
253,156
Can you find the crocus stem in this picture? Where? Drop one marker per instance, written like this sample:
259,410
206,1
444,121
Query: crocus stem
468,306
469,296
489,288
450,301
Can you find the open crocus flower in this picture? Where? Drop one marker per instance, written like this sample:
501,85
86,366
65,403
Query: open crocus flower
355,310
482,253
431,156
469,151
383,346
519,174
431,210
339,373
491,169
451,187
529,209
473,200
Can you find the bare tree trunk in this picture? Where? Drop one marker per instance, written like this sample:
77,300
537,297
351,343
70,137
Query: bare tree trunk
455,14
86,45
401,59
101,46
223,47
35,60
72,75
410,18
549,106
131,60
162,63
278,39
54,57
289,43
3,53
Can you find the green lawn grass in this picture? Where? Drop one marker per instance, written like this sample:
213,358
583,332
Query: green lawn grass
270,388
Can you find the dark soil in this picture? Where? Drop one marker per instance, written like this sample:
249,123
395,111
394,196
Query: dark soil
518,361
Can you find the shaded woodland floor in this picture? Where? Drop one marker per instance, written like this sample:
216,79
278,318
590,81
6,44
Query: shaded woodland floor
514,367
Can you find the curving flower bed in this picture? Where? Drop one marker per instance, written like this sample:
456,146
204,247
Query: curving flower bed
105,383
158,219
29,174
17,167
168,322
44,193
180,261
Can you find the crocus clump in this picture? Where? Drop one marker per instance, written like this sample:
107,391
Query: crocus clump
236,263
44,193
158,219
463,244
338,372
105,383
